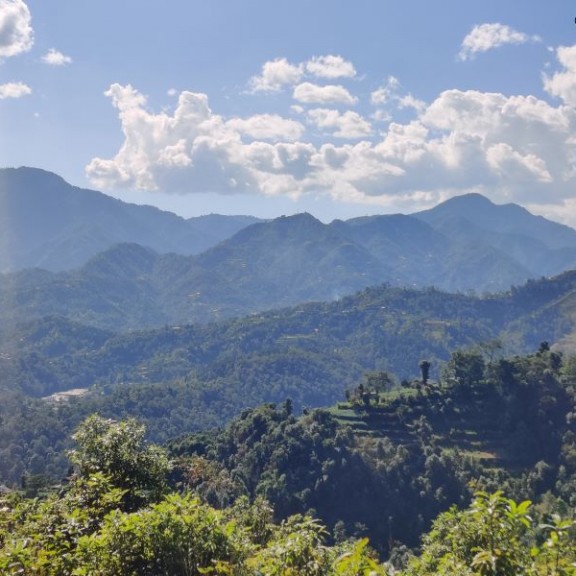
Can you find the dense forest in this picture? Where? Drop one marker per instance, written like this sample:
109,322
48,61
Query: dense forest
181,379
438,475
403,455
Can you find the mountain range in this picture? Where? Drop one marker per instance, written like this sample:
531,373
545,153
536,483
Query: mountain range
102,262
131,311
47,223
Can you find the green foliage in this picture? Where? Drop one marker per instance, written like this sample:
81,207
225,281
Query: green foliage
118,451
357,562
495,536
311,464
176,536
465,369
88,529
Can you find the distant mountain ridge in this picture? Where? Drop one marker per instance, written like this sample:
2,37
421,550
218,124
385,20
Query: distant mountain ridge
541,246
47,223
505,219
466,243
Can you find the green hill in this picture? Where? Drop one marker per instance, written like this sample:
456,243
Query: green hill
404,454
190,377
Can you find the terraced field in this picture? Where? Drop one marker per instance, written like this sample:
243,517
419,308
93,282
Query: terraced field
431,416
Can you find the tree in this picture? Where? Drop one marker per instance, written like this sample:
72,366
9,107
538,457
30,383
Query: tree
379,381
119,451
425,368
495,537
466,369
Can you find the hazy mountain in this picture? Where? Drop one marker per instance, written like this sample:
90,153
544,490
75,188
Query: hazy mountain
505,218
283,262
466,243
293,259
538,245
46,223
266,266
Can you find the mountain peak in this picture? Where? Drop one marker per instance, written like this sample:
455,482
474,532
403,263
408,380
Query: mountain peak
297,223
299,217
27,176
465,205
46,222
512,220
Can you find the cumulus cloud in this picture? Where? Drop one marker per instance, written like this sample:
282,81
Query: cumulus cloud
563,84
389,95
267,127
163,151
514,147
195,150
16,34
486,37
309,93
517,148
275,75
385,93
14,90
342,125
55,58
278,74
408,101
331,67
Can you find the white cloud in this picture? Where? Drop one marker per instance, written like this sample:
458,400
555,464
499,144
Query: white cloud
331,67
267,127
408,101
563,84
281,168
55,58
279,73
275,75
16,34
516,167
381,116
195,150
14,90
342,125
389,95
486,37
309,93
512,148
385,93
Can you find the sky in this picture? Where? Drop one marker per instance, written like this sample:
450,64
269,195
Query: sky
337,108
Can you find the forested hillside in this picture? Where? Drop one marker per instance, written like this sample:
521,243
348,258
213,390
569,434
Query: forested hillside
184,378
428,397
242,500
379,328
489,422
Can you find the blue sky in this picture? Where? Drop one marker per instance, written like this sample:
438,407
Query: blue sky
268,108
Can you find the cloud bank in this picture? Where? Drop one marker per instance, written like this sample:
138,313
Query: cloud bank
517,148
